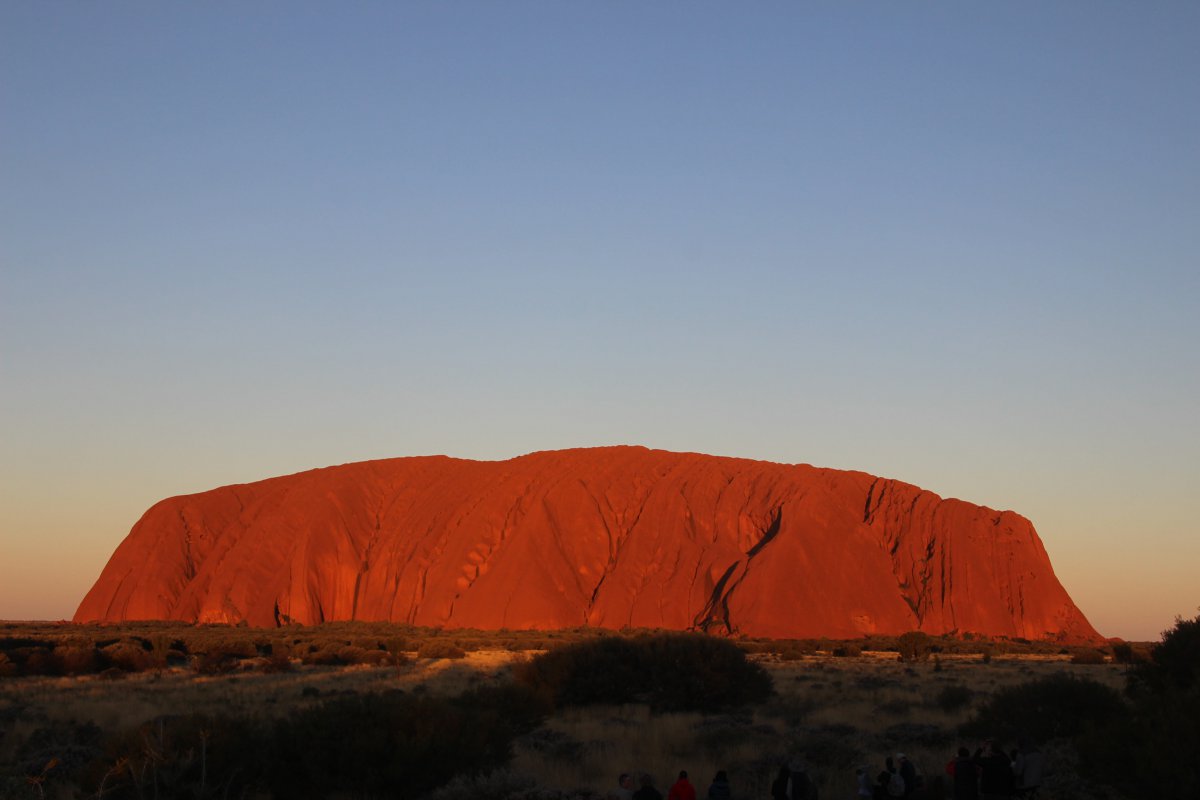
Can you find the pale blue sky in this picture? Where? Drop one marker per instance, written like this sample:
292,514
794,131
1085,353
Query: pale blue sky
951,244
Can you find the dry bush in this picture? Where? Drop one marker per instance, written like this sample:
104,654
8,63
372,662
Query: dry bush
328,656
914,646
351,654
39,661
1088,656
131,656
440,648
276,663
77,659
223,658
359,655
235,648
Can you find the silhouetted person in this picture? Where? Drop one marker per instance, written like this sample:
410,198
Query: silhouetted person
647,792
862,777
682,789
624,790
909,773
719,788
779,786
965,776
1027,767
889,783
800,786
995,772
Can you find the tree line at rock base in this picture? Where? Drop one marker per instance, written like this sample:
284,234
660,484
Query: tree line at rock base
114,649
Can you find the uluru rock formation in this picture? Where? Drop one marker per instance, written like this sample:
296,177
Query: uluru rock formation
613,537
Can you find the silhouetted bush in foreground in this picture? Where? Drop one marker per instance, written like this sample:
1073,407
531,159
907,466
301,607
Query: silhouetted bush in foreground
1056,706
397,743
375,745
1151,754
953,697
673,672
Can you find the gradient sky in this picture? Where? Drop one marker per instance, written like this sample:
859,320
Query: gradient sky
954,244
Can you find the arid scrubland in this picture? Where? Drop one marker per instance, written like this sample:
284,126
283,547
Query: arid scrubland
837,713
833,711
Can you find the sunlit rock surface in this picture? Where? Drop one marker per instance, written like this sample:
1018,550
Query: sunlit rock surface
614,537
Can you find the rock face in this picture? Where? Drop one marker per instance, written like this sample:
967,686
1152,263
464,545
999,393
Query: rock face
611,537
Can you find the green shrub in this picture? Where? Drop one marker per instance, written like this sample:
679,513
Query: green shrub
668,671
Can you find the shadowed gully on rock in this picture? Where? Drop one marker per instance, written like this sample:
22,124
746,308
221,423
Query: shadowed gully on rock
613,537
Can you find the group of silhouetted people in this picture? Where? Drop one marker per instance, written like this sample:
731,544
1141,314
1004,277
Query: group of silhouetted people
992,774
988,774
792,783
681,789
899,778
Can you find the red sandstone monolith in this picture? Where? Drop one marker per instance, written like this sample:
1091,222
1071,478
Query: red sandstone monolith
614,537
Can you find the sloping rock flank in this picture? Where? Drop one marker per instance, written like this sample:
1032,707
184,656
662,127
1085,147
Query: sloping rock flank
613,537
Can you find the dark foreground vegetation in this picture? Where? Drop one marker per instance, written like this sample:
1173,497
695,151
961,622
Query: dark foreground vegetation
1135,743
1143,743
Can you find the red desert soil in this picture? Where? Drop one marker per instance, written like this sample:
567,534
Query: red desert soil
613,537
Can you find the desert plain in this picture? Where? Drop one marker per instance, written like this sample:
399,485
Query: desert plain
835,705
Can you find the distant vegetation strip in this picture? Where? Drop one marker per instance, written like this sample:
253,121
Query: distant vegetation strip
114,649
